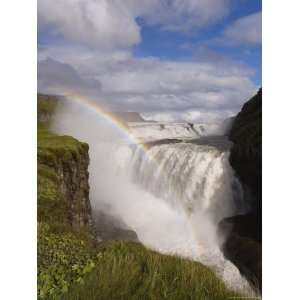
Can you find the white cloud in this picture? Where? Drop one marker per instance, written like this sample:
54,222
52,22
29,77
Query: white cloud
111,24
54,76
95,23
244,31
190,90
207,88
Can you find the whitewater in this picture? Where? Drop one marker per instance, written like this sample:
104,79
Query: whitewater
172,194
183,190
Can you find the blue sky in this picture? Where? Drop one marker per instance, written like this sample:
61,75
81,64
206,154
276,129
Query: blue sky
188,59
173,45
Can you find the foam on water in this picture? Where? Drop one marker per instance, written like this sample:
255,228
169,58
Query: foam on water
179,193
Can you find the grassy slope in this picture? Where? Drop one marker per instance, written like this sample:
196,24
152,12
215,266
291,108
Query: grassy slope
72,266
127,270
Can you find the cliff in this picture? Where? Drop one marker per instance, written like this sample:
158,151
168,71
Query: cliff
246,153
63,188
66,244
243,245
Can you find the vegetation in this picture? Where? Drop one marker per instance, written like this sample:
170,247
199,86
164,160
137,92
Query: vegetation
54,151
63,258
127,270
65,254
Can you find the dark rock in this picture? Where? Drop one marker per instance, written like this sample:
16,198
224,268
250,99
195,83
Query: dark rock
243,243
246,153
110,227
245,253
242,247
148,145
242,225
227,125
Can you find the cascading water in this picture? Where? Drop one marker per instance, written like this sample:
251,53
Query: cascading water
172,195
198,178
197,185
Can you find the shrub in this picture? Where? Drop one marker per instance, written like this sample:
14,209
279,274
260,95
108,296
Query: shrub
63,259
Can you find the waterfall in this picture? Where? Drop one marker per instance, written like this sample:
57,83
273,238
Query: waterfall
184,191
196,177
172,195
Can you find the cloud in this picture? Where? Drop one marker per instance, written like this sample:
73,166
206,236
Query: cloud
181,16
244,31
54,76
96,58
101,24
112,24
174,90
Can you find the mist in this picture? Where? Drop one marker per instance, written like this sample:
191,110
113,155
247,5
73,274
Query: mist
165,226
157,224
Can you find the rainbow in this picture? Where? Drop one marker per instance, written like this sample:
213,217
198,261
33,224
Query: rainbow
122,126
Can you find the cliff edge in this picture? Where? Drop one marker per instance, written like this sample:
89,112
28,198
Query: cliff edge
243,245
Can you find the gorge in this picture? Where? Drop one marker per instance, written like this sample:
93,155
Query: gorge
169,186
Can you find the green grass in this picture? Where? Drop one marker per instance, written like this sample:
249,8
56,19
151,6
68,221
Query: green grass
127,270
52,146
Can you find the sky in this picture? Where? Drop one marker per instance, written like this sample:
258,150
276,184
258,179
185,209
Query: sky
171,60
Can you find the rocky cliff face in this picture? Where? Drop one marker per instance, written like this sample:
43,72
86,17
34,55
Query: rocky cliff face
243,245
63,188
246,157
66,242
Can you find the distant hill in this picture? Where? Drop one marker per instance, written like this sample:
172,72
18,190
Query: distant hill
47,104
130,116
